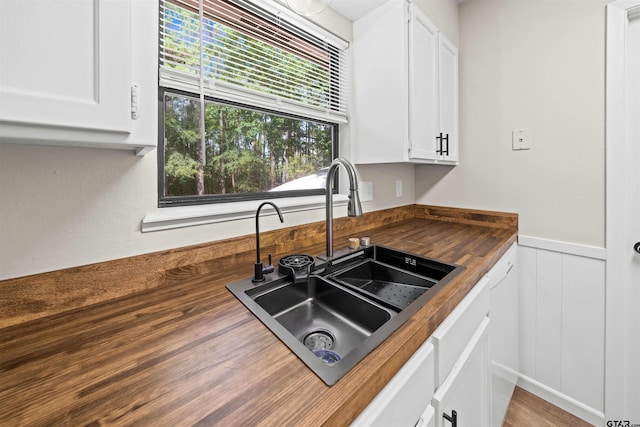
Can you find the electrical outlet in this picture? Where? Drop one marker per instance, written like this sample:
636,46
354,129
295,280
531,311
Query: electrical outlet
521,139
366,191
398,188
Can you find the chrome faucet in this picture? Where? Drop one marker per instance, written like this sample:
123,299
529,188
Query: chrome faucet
259,270
354,208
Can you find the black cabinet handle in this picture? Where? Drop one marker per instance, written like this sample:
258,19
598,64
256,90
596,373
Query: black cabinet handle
446,152
453,418
441,150
636,247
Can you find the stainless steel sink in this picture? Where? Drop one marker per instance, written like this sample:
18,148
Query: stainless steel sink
328,319
333,315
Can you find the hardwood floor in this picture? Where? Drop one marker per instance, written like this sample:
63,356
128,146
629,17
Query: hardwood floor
528,410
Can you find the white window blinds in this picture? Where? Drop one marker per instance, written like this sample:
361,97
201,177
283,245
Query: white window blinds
255,53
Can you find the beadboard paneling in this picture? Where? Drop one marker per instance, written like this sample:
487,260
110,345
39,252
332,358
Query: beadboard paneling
562,326
527,283
549,318
583,329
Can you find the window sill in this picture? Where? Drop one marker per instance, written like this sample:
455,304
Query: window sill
188,216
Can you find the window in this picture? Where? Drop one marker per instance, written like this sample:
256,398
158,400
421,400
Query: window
251,98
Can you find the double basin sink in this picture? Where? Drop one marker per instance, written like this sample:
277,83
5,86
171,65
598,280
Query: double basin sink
332,313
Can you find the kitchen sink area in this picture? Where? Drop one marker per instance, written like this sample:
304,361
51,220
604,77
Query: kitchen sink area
166,355
333,311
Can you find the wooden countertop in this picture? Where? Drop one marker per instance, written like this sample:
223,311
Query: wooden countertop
192,354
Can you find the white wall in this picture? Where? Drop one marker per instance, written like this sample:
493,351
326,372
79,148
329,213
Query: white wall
530,64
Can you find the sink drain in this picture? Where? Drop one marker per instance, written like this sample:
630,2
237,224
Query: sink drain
318,340
320,343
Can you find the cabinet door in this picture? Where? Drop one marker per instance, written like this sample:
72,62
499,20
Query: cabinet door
65,64
448,99
428,418
380,96
456,331
466,389
402,401
423,80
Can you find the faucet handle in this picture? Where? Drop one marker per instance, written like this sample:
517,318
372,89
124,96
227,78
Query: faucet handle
269,268
260,270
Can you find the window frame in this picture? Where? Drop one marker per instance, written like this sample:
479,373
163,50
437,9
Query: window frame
211,199
164,201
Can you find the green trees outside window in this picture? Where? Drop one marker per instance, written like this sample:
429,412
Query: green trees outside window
244,151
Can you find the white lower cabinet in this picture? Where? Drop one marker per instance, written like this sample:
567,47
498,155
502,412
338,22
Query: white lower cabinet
463,398
462,366
428,418
455,332
404,399
449,372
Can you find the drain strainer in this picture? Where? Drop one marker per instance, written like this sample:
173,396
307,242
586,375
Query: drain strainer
318,340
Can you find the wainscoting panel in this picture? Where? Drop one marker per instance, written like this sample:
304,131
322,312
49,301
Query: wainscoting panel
562,289
549,318
583,330
527,282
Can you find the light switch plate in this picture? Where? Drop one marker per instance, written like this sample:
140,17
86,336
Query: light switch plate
398,188
366,191
521,139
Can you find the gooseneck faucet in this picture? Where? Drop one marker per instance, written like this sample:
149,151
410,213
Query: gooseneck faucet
354,208
259,270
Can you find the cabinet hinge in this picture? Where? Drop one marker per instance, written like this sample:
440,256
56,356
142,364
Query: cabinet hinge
134,102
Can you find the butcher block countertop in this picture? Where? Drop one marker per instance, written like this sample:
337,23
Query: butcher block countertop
189,353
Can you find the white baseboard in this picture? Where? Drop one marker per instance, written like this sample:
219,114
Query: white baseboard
561,400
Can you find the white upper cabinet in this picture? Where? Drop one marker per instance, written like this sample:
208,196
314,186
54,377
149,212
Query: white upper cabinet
448,100
423,87
405,88
65,73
